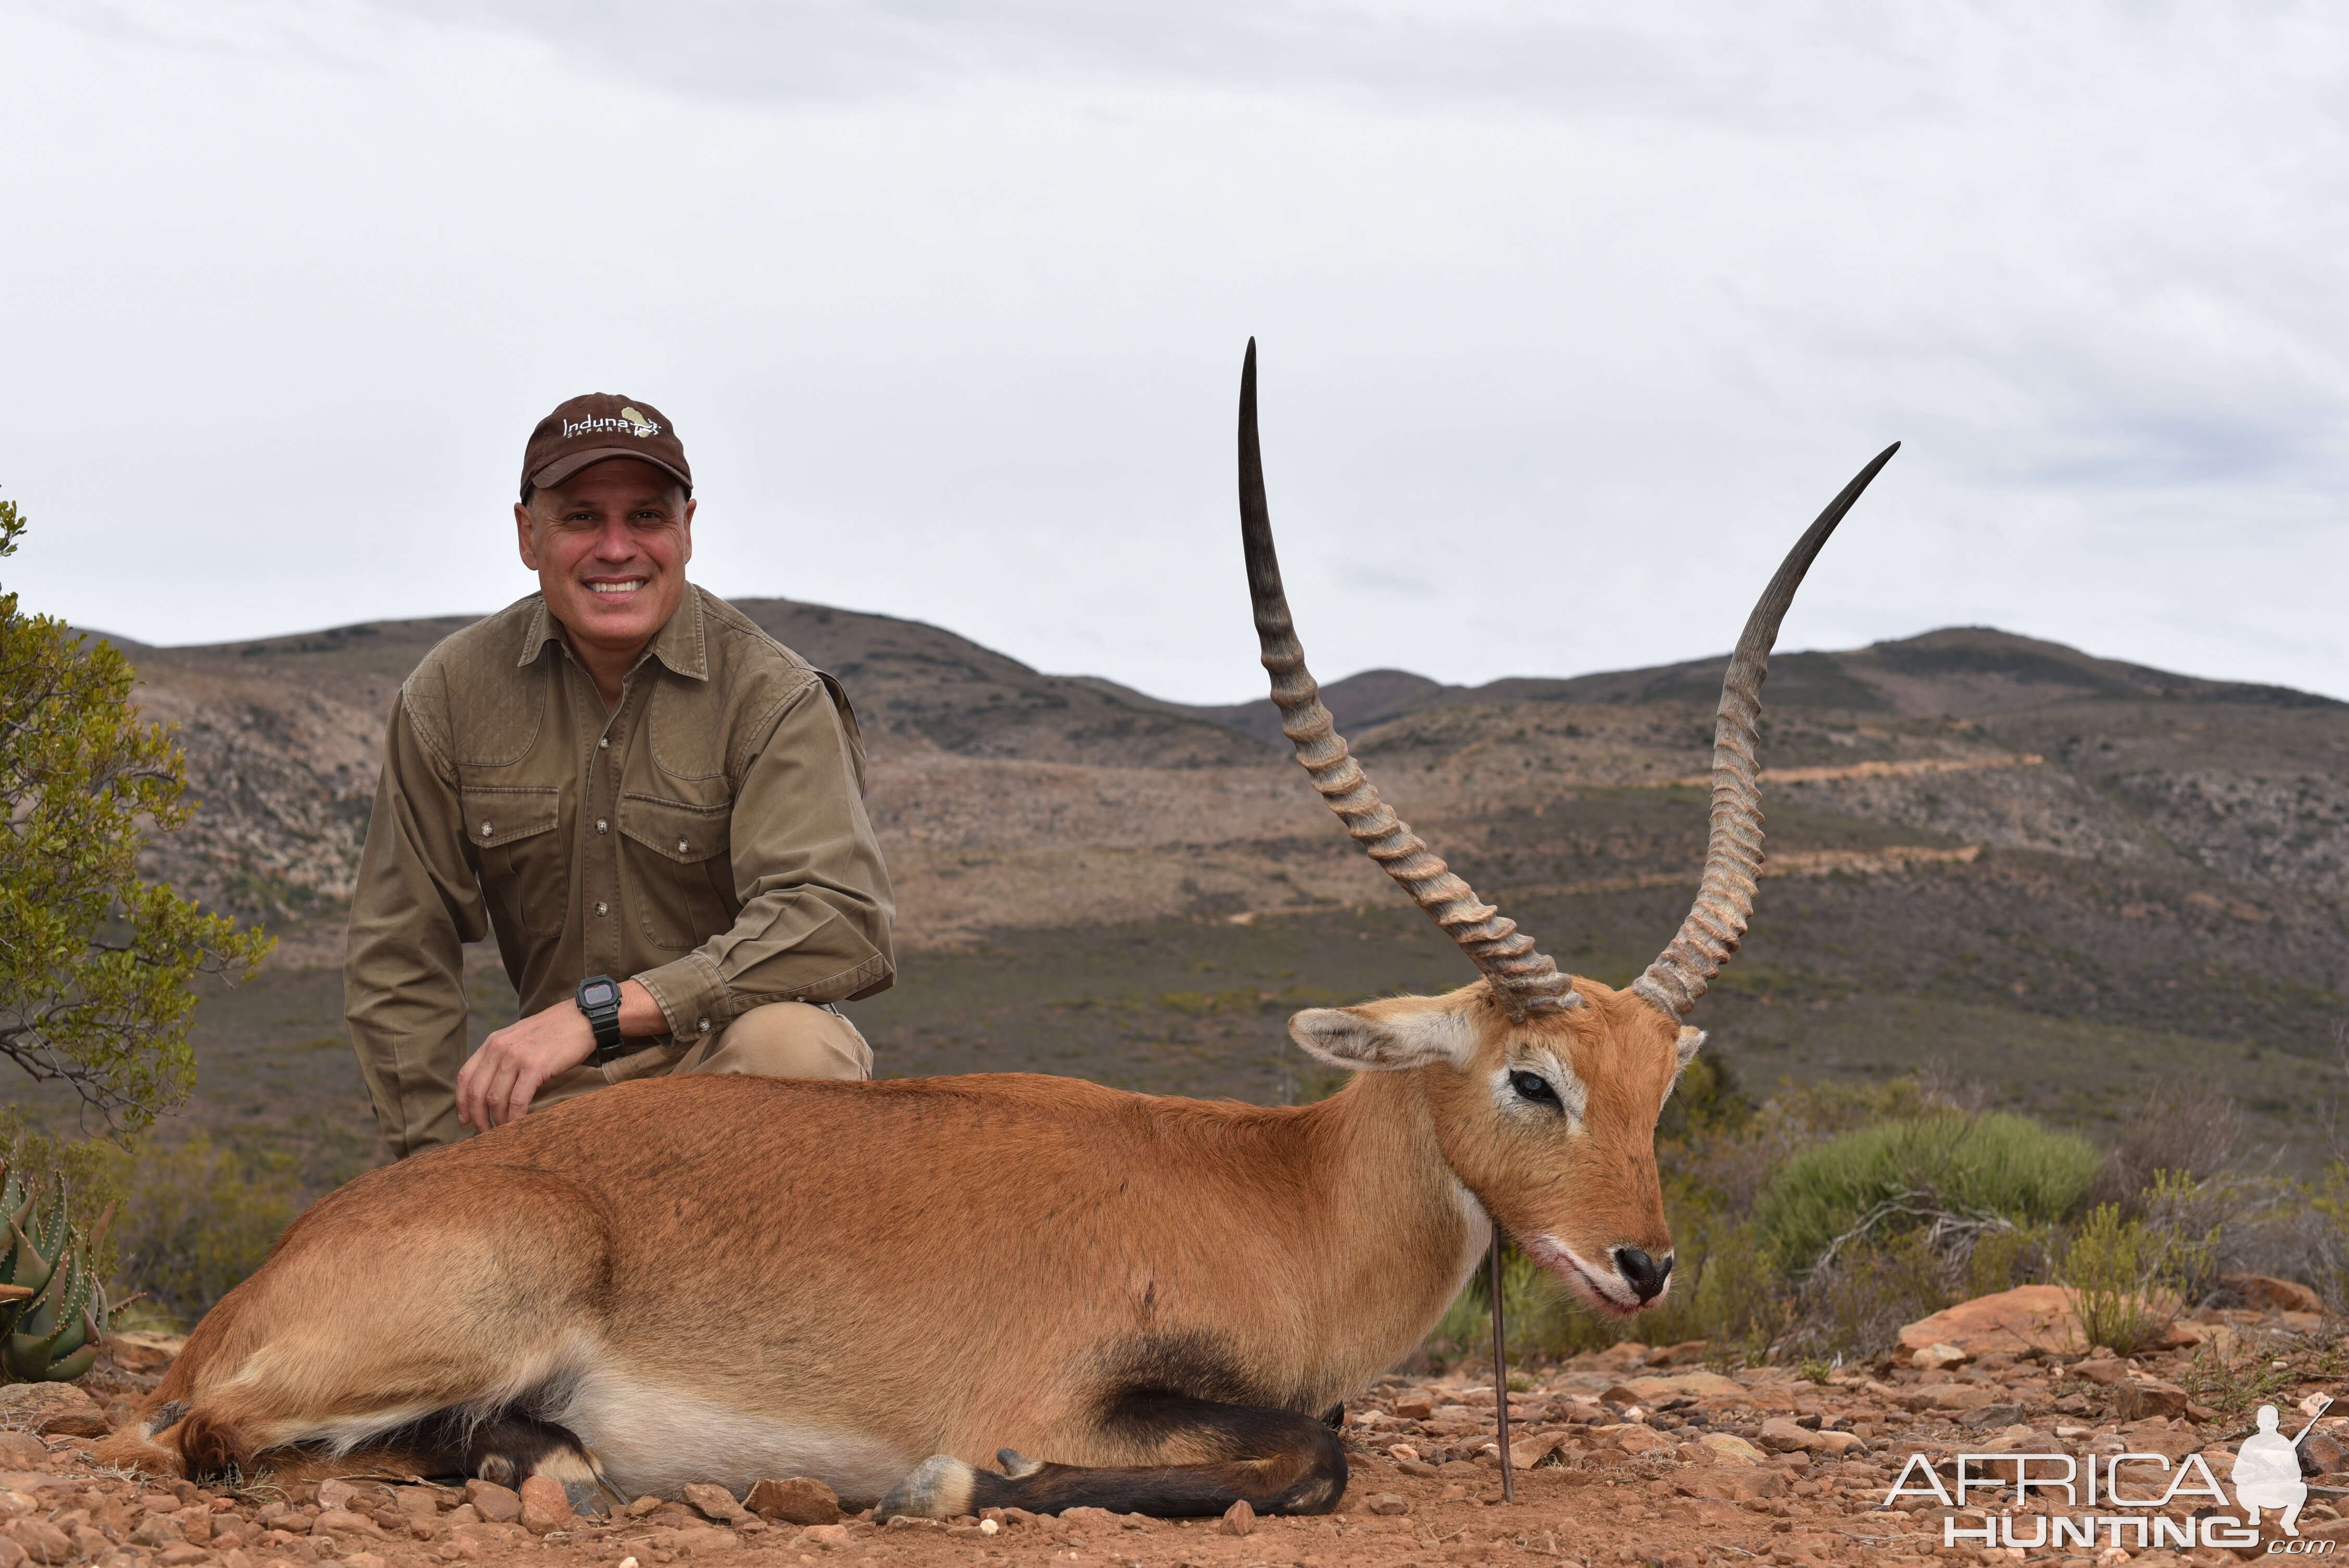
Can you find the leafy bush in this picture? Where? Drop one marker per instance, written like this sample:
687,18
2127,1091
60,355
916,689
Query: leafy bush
199,1220
2123,1275
93,975
1860,1299
1987,1171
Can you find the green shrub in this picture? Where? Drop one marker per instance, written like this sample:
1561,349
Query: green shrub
2001,1260
1903,1175
2123,1277
94,971
1857,1304
199,1220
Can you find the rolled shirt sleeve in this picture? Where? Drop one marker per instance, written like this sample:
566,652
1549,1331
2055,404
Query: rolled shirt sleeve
816,904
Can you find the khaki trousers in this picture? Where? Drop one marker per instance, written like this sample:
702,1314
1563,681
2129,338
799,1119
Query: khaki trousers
782,1039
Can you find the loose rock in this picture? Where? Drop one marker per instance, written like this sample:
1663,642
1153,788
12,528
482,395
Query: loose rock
334,1522
2265,1292
1785,1437
545,1508
494,1502
1728,1449
43,1542
2142,1398
1527,1453
52,1409
800,1499
2029,1317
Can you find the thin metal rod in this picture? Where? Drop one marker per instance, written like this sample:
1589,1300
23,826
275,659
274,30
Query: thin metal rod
1501,1378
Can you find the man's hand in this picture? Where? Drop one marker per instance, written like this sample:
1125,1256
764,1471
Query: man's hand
497,1085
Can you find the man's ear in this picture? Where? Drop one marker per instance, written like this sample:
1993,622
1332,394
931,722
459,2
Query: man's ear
526,528
1387,1036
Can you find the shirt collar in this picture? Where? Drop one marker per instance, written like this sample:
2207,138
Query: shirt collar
681,645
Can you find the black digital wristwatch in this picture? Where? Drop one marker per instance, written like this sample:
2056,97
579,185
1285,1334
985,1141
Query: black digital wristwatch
599,997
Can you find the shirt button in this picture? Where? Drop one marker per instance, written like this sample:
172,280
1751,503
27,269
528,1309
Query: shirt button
602,909
485,829
605,744
682,847
602,826
701,1025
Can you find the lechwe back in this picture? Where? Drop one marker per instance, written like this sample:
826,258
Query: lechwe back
881,1284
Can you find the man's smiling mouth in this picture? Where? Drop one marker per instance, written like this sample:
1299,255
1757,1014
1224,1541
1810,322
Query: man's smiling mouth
631,586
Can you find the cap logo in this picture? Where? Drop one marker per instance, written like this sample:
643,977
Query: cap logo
630,422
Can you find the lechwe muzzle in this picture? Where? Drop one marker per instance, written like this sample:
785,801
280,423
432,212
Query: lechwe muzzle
1616,1257
904,1289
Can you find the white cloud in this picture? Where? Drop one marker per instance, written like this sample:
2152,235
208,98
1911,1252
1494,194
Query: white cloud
1571,317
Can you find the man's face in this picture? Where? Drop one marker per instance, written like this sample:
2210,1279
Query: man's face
609,546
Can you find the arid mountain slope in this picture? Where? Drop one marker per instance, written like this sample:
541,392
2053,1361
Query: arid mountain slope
2062,875
1962,671
1109,804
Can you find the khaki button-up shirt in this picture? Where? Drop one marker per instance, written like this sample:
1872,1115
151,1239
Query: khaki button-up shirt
707,838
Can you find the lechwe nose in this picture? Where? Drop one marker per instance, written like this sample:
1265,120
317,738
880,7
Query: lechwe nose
1642,1273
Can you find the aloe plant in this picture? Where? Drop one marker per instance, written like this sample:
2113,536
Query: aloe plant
53,1307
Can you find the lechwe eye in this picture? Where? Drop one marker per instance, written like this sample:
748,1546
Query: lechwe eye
1533,1088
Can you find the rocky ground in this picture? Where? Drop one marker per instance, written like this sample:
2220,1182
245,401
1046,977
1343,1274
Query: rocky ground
1634,1455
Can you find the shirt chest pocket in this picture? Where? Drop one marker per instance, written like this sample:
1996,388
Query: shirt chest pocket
525,869
681,877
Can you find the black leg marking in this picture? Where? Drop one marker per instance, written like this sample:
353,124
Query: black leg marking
507,1449
1211,1456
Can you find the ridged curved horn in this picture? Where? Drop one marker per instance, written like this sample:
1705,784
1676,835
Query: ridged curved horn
1733,856
1522,976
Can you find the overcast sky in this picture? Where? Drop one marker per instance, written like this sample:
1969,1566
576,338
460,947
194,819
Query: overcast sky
1571,316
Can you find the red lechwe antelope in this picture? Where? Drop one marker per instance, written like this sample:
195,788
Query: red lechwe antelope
881,1285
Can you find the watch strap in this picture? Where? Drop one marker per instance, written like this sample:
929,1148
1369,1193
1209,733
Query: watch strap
603,1013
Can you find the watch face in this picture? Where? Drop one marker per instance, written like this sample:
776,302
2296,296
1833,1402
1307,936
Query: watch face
597,996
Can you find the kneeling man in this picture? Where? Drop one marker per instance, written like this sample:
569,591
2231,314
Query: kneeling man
655,807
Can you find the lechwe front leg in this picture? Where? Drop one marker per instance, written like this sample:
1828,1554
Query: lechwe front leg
1197,1457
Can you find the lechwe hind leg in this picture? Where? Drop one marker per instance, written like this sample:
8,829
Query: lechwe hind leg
1206,1456
425,1329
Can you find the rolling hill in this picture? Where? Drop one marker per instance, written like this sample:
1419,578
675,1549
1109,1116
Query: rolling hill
2059,876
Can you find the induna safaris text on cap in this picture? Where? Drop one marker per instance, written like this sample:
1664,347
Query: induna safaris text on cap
588,429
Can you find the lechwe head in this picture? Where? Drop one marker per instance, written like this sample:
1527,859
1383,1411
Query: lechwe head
1544,1089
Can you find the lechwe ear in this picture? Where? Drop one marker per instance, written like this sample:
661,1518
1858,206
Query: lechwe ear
1387,1036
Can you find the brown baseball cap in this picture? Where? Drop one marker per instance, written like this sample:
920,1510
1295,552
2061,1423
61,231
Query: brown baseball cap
588,429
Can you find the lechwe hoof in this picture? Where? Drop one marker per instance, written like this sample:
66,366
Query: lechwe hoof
937,1488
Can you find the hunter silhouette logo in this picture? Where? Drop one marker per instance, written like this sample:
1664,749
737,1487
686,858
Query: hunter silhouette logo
629,423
